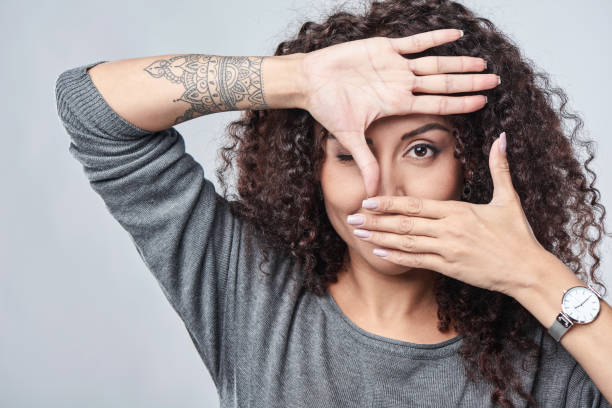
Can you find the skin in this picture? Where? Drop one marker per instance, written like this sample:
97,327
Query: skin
381,297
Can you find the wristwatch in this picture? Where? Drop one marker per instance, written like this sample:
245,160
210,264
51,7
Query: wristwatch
579,304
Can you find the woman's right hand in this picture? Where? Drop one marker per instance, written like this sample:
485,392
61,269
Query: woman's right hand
350,85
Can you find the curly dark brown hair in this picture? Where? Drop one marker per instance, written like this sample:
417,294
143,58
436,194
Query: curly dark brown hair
279,155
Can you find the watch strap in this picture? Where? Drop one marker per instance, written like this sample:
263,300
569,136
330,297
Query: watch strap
560,326
589,286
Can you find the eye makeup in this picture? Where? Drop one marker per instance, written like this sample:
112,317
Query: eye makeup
427,146
344,157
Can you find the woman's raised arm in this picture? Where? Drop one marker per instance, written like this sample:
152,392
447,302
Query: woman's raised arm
345,87
182,228
155,93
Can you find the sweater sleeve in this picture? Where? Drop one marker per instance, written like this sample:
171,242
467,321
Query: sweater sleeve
183,230
582,392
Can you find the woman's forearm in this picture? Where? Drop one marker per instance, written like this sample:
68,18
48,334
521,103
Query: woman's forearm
155,93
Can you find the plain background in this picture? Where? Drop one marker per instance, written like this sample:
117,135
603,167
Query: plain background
82,321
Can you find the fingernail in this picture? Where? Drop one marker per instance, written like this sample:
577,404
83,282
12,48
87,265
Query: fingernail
369,203
485,61
355,219
380,252
486,99
502,142
498,80
362,233
461,32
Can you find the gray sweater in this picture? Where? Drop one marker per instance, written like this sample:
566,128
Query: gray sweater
264,346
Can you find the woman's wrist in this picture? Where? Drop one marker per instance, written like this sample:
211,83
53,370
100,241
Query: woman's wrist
283,82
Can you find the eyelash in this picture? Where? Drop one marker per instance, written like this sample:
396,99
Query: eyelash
348,157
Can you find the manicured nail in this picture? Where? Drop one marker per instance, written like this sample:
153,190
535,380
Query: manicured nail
498,80
502,142
461,33
380,252
486,99
362,233
355,219
370,203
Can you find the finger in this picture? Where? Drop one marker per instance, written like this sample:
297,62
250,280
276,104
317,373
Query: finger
500,171
406,243
444,105
440,64
367,164
422,41
417,206
398,224
449,83
433,262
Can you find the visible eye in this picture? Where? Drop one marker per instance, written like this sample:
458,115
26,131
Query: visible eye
421,150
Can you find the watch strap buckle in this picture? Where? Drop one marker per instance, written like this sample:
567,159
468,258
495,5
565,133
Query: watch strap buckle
561,325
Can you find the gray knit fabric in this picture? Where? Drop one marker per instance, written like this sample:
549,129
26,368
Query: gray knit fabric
263,346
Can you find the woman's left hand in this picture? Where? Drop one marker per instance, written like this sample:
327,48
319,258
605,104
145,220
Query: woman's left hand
491,246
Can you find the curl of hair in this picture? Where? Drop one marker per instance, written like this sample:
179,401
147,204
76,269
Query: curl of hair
279,157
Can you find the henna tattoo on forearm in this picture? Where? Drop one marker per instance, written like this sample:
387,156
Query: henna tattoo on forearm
213,83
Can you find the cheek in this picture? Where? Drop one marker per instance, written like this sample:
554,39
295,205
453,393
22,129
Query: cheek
441,182
343,190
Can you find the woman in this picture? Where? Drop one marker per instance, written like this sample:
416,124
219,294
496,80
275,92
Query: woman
474,227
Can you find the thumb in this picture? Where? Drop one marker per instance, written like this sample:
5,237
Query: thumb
503,189
367,165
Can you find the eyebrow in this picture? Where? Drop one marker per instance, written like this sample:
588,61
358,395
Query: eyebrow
411,134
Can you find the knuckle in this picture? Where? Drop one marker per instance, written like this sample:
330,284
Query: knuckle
448,228
418,260
407,243
386,204
453,230
403,258
413,205
455,252
464,209
503,165
406,225
451,253
372,222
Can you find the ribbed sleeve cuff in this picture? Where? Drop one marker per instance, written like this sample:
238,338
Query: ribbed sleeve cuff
78,99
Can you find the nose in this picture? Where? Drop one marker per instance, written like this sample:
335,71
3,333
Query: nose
390,182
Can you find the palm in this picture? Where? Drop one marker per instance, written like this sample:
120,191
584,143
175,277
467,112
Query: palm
352,84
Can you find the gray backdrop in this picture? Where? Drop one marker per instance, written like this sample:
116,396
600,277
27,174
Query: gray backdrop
82,321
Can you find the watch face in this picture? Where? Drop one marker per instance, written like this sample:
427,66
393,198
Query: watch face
581,304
